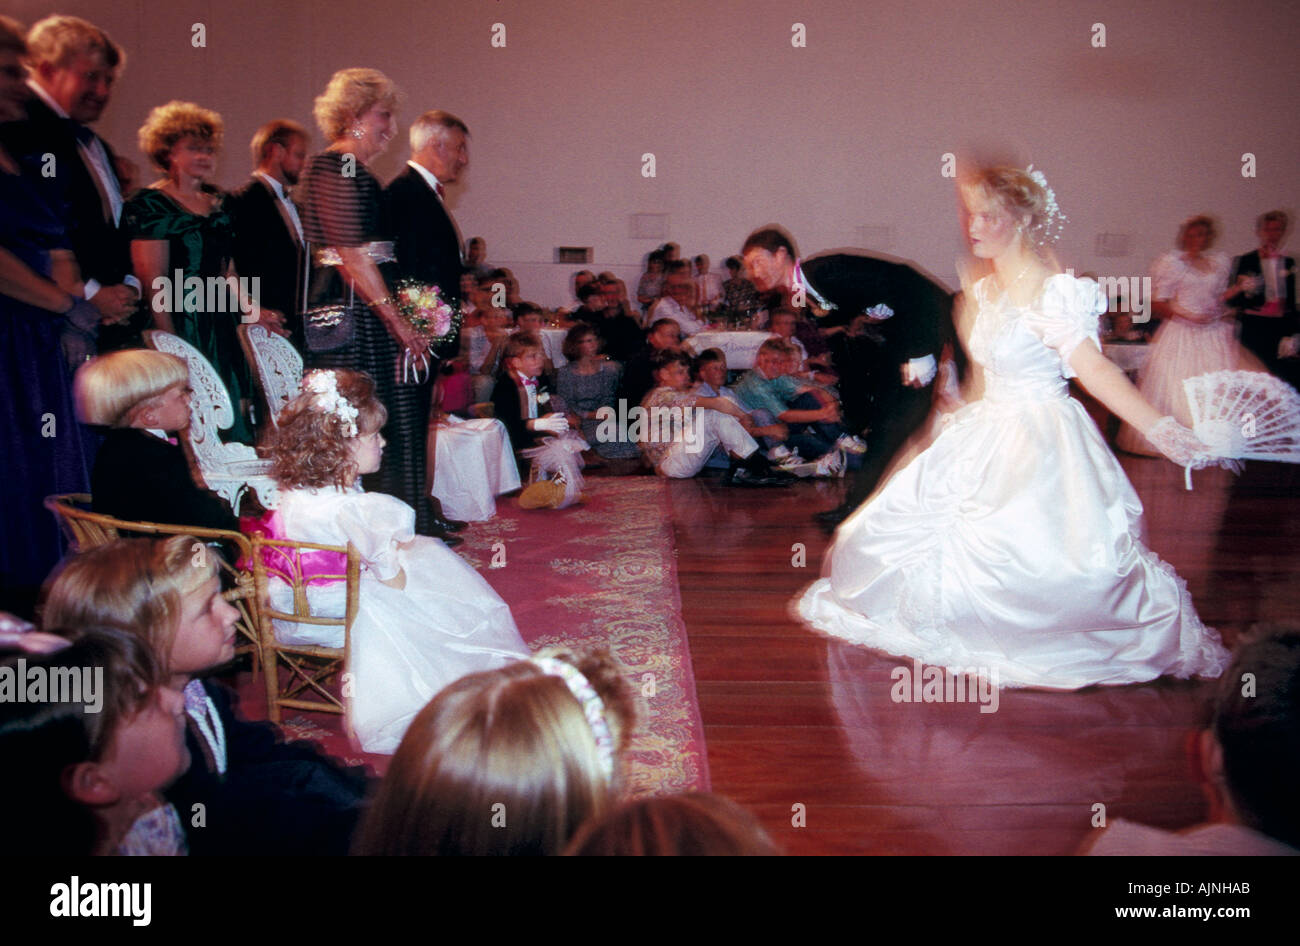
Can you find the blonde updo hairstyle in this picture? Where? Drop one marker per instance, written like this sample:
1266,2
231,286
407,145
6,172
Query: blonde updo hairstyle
137,585
1200,220
350,93
168,124
311,447
1015,192
109,389
502,762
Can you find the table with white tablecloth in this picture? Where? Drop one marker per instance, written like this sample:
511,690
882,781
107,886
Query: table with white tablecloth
553,345
475,463
741,348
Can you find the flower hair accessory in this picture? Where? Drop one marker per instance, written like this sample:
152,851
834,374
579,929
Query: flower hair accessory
323,386
1054,222
593,707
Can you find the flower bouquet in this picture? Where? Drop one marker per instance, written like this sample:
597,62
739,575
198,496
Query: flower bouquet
426,311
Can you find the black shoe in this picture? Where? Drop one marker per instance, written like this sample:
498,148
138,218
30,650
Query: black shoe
830,518
450,525
451,541
744,476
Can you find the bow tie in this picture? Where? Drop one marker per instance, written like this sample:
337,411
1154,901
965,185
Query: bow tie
530,382
1267,253
439,190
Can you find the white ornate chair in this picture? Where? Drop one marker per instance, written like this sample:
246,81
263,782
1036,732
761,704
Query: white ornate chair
226,468
277,364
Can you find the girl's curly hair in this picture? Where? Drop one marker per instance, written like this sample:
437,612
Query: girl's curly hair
311,448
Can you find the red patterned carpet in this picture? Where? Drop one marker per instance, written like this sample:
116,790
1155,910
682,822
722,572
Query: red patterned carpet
599,574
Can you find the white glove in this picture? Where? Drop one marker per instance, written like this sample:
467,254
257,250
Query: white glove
1179,444
551,424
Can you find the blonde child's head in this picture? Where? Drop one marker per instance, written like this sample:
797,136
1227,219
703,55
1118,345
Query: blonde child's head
523,355
79,768
165,591
317,438
687,825
133,388
510,761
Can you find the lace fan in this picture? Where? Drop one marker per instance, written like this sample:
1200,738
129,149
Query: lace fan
1245,415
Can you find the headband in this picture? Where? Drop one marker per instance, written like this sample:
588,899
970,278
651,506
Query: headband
1054,221
593,707
323,386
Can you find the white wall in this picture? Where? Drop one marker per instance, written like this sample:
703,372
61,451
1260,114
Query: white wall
844,134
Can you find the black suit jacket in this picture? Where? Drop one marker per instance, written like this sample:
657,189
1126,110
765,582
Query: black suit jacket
425,241
141,478
102,248
1249,264
508,402
266,246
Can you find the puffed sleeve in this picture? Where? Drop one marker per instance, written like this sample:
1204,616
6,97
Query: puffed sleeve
149,215
376,523
1070,316
1165,274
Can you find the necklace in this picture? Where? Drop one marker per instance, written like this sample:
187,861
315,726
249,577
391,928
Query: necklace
1006,289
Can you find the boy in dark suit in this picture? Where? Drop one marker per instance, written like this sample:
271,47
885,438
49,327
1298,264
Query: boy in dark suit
521,399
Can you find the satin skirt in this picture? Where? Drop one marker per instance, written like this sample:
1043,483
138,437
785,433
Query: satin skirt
1013,546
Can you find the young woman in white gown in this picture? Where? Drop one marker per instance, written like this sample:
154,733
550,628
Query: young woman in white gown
1012,544
425,617
1198,334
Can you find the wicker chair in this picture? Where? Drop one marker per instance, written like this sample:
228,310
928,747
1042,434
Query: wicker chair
87,530
309,666
276,363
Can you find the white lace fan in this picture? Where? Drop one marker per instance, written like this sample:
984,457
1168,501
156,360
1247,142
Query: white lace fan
1245,415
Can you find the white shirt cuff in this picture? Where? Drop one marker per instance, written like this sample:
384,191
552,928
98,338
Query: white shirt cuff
921,369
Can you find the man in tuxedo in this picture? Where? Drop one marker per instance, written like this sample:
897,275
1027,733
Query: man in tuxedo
427,243
72,65
911,322
268,232
1267,310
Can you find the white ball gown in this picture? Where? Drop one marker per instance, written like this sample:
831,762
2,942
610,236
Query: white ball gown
1182,349
1012,545
406,644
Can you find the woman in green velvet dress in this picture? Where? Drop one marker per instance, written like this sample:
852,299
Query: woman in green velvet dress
179,230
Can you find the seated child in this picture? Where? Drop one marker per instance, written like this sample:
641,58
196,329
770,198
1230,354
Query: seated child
692,824
425,617
83,769
1249,762
510,761
141,472
710,373
811,414
245,792
681,430
522,399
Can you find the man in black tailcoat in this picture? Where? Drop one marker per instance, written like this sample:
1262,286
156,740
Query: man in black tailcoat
911,322
425,239
1266,305
72,65
268,232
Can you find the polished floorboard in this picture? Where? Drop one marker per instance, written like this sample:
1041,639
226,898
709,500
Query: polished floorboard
801,728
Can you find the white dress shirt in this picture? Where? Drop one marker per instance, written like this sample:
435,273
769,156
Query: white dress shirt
290,210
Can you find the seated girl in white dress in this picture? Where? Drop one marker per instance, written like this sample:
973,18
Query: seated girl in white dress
1198,335
1012,545
425,617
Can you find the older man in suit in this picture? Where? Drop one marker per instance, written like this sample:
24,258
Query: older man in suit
72,65
268,232
1266,302
425,239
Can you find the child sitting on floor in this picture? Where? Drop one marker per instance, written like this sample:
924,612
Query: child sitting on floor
141,472
245,791
510,761
425,617
83,767
522,400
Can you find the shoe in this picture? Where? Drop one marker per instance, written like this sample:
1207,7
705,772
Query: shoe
851,444
831,518
743,476
832,464
450,525
451,541
787,463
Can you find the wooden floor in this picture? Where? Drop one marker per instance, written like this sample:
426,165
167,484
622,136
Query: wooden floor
793,718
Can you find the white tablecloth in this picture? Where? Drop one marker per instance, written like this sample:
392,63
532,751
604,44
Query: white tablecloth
475,464
740,347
